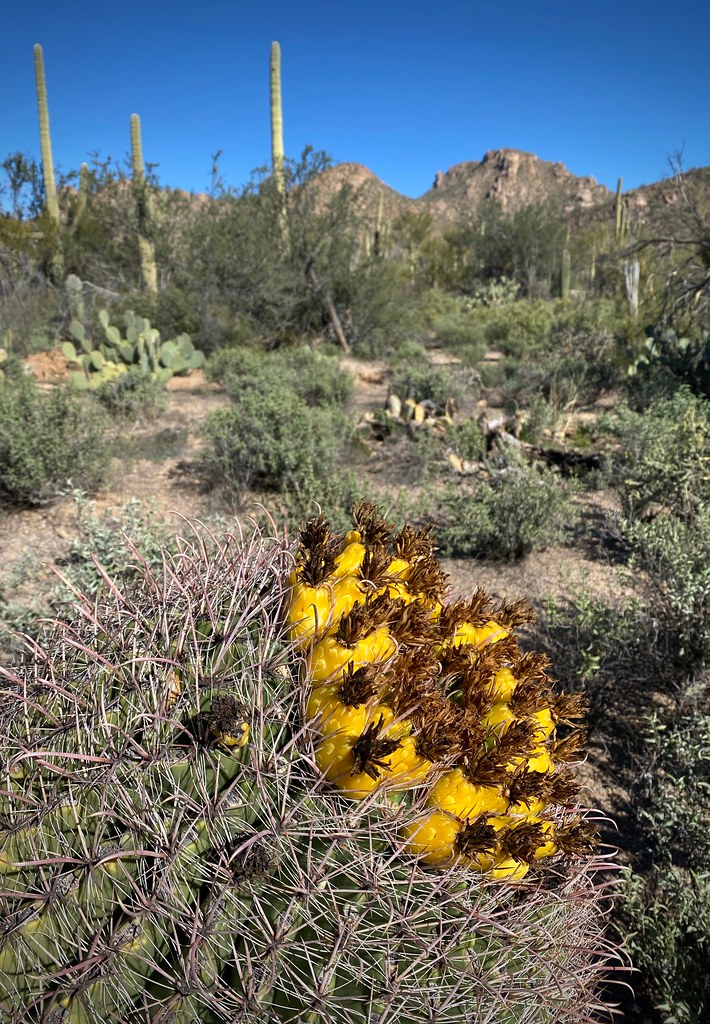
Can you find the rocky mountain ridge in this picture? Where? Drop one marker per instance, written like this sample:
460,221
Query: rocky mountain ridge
511,178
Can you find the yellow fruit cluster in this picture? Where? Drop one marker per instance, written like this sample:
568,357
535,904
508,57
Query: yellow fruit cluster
408,690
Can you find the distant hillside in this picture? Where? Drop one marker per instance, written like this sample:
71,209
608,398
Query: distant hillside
513,179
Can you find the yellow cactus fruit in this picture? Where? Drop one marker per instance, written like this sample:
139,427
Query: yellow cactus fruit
327,660
310,612
350,559
329,714
508,869
499,718
545,725
478,636
502,686
329,656
347,592
433,838
549,847
540,761
359,760
227,722
400,568
406,766
453,792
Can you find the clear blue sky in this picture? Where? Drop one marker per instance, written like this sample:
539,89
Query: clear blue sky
405,87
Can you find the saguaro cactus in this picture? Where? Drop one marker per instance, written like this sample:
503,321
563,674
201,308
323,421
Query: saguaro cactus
146,249
277,135
619,213
565,273
50,188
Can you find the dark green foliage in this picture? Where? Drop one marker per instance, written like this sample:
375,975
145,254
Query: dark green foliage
662,457
133,395
672,554
523,246
467,440
415,376
665,910
272,439
521,508
315,377
48,443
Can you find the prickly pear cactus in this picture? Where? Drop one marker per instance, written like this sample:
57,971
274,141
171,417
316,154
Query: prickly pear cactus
175,846
140,348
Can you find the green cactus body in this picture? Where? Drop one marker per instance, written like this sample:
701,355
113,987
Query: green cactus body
50,188
169,852
619,213
146,249
565,273
277,137
140,349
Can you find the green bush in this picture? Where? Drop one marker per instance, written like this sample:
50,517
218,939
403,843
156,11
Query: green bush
672,554
133,395
665,909
662,455
316,377
602,648
667,933
467,440
272,439
49,443
522,508
415,376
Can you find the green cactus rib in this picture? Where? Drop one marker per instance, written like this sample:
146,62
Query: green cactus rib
155,868
146,249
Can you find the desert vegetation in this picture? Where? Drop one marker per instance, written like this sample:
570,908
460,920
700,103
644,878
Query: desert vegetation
533,380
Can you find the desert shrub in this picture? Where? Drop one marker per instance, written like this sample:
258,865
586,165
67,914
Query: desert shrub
665,910
542,417
238,362
467,440
49,443
415,376
30,592
520,509
272,439
672,554
518,326
133,395
662,455
667,933
316,377
600,647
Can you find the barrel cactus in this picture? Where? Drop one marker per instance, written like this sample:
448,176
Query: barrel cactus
185,836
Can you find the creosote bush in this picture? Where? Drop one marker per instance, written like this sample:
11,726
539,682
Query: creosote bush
520,508
49,443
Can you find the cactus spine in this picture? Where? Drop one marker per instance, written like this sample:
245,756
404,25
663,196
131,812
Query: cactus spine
277,137
146,249
45,141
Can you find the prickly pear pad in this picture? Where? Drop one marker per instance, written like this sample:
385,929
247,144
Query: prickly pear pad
171,853
408,691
